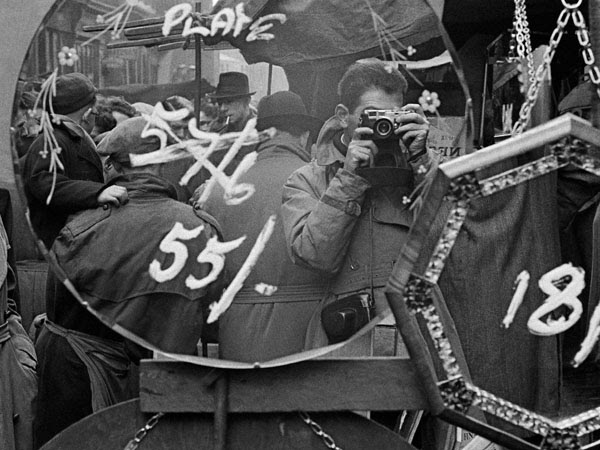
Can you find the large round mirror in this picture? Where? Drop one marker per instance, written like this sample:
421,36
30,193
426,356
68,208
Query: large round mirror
157,279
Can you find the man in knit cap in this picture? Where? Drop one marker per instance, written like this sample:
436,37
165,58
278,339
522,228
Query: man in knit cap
80,183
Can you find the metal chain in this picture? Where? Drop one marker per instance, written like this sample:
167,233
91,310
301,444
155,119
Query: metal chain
142,432
583,37
316,428
523,36
540,73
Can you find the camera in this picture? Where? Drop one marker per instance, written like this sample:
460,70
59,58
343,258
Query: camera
382,122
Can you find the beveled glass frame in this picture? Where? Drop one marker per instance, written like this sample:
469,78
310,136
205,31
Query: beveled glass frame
410,289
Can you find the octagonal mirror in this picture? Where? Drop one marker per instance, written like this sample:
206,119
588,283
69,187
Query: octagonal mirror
484,265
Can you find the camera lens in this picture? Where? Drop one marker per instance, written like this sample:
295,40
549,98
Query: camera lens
383,128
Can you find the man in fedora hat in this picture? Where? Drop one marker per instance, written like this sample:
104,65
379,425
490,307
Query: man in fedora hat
233,97
258,327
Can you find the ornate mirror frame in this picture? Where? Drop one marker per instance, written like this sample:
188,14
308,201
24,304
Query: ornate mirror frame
410,290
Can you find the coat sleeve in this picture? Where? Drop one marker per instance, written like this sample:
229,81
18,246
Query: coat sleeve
318,219
70,195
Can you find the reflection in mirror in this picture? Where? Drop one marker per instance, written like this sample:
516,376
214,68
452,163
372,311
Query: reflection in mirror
97,83
155,271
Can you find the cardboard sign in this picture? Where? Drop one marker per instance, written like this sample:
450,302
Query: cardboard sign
447,136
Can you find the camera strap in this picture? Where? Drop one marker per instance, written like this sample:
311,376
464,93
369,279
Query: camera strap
371,258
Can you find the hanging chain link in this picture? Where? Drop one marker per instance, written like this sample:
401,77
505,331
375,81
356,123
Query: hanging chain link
571,10
316,428
142,432
523,37
583,37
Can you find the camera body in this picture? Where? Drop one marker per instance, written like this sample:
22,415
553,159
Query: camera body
382,122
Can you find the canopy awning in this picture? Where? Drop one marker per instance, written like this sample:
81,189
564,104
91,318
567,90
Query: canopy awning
320,31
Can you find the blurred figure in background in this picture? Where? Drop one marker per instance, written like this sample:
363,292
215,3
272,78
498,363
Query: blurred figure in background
110,112
257,327
208,114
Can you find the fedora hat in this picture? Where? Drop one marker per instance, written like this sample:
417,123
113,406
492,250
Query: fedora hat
287,108
231,85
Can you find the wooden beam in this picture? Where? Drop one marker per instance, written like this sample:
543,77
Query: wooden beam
151,29
130,24
223,45
317,385
151,42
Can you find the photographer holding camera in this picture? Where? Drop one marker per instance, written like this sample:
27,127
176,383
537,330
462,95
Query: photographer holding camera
345,213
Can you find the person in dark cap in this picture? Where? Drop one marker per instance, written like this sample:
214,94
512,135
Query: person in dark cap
233,97
257,327
79,184
82,362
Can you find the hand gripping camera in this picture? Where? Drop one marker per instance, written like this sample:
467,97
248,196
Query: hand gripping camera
383,123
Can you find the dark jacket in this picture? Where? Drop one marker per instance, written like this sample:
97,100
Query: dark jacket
107,252
258,327
77,186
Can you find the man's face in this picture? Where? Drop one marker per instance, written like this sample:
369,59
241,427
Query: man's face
236,109
372,99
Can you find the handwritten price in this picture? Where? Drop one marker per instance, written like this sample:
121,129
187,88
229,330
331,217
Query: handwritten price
214,254
556,299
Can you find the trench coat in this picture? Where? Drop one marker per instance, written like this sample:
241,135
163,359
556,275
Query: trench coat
337,224
18,380
257,327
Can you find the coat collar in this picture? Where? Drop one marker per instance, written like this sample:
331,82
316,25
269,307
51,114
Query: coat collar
326,152
145,185
280,145
69,125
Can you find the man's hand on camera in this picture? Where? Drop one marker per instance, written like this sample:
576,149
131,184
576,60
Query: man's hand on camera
361,151
413,129
116,195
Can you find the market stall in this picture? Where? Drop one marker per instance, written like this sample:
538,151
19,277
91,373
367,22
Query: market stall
483,351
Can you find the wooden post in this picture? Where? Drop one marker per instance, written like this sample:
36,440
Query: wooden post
198,54
221,387
270,79
594,26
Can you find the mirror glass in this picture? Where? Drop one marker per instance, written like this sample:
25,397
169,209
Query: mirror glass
523,311
155,276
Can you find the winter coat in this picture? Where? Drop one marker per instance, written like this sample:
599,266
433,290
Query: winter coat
336,223
258,327
18,381
107,252
77,186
